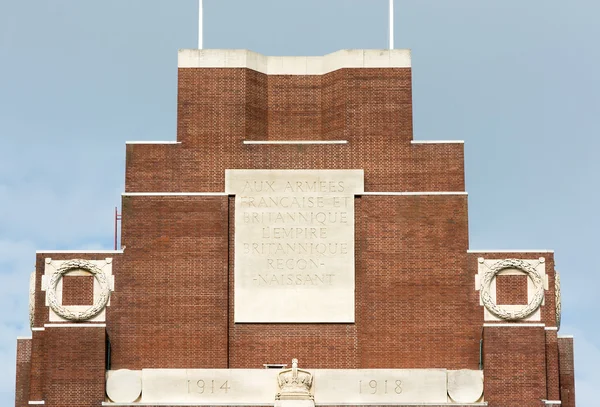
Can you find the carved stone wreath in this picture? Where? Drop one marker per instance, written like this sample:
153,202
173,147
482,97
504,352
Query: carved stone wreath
558,299
526,310
98,305
31,299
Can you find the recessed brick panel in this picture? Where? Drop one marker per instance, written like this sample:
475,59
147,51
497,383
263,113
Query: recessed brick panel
78,290
511,290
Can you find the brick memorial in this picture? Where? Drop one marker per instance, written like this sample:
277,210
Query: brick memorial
295,246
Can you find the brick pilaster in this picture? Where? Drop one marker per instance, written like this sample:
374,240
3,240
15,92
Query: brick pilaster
552,371
23,369
36,375
567,373
74,365
514,365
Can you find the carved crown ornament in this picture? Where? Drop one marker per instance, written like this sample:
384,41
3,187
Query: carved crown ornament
101,295
503,312
294,384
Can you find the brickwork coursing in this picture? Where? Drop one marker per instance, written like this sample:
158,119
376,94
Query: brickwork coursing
511,290
567,372
392,250
78,290
74,366
416,301
220,108
171,306
514,366
552,366
36,375
23,369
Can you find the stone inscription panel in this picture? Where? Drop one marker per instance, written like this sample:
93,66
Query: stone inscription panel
294,244
259,386
208,386
375,386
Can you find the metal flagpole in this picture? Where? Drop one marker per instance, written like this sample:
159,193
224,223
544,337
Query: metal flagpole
200,18
391,24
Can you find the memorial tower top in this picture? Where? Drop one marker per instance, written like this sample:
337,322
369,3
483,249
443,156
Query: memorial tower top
294,65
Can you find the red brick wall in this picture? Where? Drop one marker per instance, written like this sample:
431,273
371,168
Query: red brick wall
372,109
414,292
23,369
78,290
74,366
552,366
567,372
176,253
511,290
36,375
170,307
514,366
220,108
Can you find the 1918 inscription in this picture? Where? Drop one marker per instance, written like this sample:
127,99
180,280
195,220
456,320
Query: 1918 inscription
294,244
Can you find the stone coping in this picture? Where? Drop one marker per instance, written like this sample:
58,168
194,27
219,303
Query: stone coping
294,65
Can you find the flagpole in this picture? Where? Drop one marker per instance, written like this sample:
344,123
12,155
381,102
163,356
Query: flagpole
391,41
200,24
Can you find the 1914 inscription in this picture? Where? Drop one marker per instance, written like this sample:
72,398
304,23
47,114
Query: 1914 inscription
294,244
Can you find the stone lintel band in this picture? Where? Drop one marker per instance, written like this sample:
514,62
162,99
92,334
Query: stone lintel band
416,193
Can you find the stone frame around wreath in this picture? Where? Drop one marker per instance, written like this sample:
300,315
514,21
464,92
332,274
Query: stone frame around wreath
536,280
55,270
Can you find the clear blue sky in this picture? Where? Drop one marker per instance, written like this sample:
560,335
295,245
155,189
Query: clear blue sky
517,80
